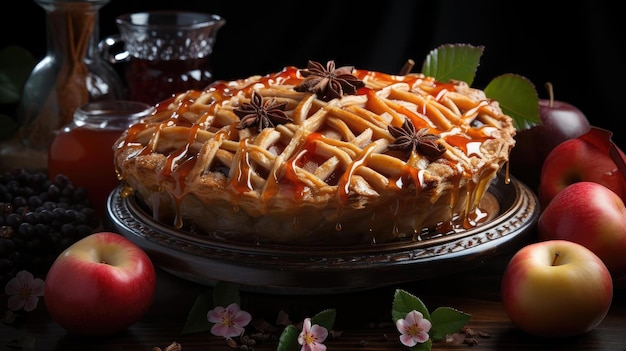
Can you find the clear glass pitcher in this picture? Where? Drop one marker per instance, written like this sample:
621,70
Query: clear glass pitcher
164,52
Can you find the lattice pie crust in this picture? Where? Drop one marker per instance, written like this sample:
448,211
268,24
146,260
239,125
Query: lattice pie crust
328,161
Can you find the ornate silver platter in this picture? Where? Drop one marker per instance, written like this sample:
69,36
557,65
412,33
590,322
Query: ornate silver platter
304,269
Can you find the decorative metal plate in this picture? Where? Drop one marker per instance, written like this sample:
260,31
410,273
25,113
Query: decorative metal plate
302,269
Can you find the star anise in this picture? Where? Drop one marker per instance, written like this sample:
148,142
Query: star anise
329,83
264,113
408,140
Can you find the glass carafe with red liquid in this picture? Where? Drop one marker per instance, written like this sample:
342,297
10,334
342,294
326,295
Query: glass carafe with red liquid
83,149
165,52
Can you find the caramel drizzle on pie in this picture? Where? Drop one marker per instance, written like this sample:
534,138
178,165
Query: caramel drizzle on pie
322,151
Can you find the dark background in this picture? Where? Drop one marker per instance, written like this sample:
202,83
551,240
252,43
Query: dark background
578,47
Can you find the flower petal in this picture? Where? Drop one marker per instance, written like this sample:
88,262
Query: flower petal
31,303
215,315
242,318
15,302
318,347
233,331
24,277
37,287
424,325
320,333
13,287
407,340
414,317
219,330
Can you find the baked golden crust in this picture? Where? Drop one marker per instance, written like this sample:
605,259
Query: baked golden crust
264,160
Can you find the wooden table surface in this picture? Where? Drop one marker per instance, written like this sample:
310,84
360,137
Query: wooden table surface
363,318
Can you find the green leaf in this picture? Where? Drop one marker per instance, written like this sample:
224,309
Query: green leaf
8,127
446,320
288,340
9,92
427,346
517,97
325,319
225,293
197,320
453,61
16,64
404,302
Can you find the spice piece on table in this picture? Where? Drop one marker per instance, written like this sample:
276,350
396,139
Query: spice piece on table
174,346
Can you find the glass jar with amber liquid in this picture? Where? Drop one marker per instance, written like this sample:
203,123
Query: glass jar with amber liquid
83,149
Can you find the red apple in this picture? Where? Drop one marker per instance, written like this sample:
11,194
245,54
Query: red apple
577,160
100,285
592,215
560,121
556,288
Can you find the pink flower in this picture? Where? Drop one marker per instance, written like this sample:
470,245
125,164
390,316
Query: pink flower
311,337
229,321
414,329
24,291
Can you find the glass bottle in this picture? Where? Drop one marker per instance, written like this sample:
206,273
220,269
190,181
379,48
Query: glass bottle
70,75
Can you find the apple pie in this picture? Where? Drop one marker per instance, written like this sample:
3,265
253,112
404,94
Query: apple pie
319,155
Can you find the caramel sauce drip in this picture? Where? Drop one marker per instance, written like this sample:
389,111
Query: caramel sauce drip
272,185
290,177
240,181
306,156
343,188
408,175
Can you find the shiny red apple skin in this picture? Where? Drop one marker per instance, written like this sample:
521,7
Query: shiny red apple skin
592,215
560,121
555,298
577,160
100,285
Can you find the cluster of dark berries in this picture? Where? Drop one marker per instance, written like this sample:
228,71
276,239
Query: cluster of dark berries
39,218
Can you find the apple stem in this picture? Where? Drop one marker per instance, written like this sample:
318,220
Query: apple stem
550,93
556,257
